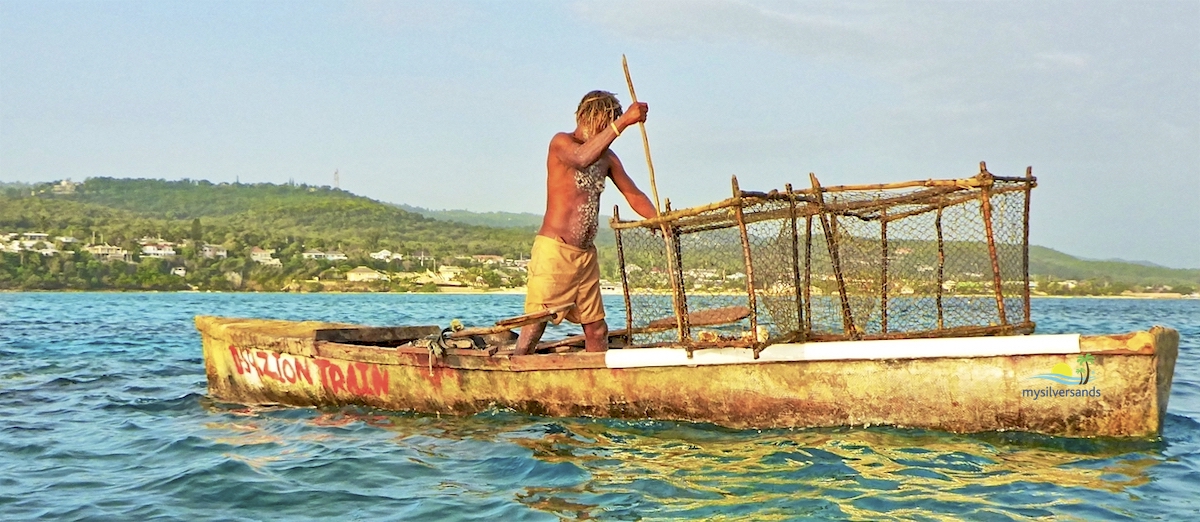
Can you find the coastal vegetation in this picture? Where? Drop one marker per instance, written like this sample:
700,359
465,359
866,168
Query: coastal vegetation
293,221
288,219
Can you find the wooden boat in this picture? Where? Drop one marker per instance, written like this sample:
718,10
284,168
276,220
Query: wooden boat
954,384
904,304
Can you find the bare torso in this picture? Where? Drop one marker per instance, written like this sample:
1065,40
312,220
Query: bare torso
575,172
573,201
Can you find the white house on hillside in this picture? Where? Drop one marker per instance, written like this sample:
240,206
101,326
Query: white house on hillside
364,274
212,251
108,252
488,259
264,256
65,186
154,241
159,251
387,255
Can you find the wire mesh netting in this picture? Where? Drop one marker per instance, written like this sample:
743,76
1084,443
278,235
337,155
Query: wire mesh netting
918,259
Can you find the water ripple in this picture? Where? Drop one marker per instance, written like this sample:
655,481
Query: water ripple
105,417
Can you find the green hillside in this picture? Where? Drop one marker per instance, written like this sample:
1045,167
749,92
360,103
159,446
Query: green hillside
285,218
1046,263
525,220
291,219
266,215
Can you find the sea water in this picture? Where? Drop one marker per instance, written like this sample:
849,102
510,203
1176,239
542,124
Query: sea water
104,416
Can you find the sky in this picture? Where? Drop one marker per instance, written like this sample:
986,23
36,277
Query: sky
451,105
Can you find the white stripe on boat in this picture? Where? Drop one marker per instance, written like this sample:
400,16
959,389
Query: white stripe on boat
850,350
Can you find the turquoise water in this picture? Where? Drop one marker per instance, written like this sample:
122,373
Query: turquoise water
103,416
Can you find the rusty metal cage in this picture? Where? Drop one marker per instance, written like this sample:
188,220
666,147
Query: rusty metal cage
933,258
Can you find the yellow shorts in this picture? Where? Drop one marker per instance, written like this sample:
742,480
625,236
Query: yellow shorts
559,274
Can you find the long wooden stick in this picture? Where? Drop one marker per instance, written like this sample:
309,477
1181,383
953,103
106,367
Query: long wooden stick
645,140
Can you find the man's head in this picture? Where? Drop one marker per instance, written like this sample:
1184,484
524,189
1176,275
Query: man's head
596,111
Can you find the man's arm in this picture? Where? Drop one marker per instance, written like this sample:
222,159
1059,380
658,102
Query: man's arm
578,156
636,198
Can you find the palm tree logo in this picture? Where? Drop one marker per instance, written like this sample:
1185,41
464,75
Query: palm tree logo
1085,369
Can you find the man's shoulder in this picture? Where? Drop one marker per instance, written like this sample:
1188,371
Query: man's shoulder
562,137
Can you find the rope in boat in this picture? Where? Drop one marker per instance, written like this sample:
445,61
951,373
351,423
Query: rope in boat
436,343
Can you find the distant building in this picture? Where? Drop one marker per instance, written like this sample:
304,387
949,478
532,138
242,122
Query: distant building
262,256
489,259
335,256
159,251
35,236
65,186
154,241
449,271
385,255
66,239
214,251
364,274
108,252
703,273
313,254
179,271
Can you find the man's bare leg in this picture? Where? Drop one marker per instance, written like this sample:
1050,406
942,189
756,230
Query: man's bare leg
597,336
530,335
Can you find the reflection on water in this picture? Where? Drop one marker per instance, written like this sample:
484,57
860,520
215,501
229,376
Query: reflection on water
583,468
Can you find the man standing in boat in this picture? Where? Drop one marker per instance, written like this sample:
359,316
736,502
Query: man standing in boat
563,267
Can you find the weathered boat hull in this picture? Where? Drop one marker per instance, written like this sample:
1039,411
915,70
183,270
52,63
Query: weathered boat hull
996,388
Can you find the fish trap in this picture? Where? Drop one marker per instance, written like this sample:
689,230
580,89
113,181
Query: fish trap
933,258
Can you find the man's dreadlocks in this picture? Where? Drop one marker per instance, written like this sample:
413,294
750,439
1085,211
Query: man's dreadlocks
596,111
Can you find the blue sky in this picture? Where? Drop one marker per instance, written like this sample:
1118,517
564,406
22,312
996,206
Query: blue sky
452,104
